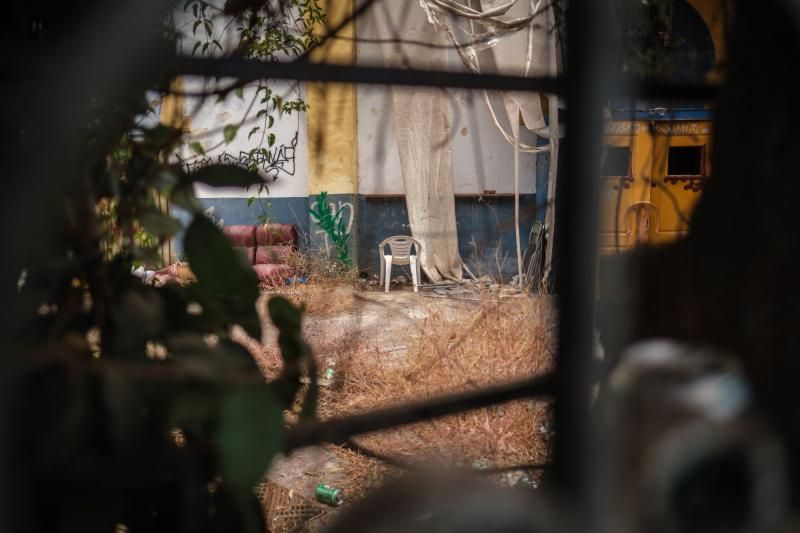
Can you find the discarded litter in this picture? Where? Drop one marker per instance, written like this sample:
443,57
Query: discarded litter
292,281
480,464
330,495
322,382
328,373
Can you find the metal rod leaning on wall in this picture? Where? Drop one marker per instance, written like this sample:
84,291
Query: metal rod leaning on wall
338,430
588,86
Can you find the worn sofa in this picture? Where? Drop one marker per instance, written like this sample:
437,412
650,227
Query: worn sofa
267,247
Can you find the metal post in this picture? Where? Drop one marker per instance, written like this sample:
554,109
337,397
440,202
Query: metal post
588,75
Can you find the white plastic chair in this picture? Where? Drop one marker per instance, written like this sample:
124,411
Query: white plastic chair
400,254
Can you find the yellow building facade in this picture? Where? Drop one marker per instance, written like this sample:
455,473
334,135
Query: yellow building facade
657,158
652,177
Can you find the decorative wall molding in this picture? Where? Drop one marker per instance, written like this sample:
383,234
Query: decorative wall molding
622,128
622,182
692,183
682,128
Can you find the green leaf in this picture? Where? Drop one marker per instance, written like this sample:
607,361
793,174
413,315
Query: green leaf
271,139
219,363
222,274
159,224
183,196
197,148
253,131
250,201
165,179
225,176
271,121
195,26
139,314
251,433
229,132
196,46
194,407
239,92
286,317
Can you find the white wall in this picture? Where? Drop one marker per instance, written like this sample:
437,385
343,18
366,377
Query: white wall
209,119
482,158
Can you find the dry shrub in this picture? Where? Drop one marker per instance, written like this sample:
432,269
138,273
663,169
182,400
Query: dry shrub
319,297
496,343
318,266
327,287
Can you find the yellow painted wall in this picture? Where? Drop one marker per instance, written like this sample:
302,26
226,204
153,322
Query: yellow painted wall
648,206
172,112
332,111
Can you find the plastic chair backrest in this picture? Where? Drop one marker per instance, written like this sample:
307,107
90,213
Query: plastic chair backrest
400,248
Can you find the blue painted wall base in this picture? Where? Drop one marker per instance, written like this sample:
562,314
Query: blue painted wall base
485,225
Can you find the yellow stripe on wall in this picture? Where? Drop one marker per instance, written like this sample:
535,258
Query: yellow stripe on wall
332,113
172,112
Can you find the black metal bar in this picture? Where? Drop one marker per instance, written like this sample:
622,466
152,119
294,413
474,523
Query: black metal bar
252,70
589,86
341,429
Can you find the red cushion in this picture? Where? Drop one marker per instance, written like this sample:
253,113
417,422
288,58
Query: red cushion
241,235
272,254
272,273
275,234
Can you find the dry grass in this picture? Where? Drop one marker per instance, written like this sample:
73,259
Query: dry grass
362,474
496,343
320,298
318,268
328,286
456,347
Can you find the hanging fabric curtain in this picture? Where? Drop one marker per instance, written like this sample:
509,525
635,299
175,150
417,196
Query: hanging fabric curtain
522,38
422,128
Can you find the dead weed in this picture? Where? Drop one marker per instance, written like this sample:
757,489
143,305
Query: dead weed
495,344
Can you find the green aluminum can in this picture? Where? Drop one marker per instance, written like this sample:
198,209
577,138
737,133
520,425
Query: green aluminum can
329,495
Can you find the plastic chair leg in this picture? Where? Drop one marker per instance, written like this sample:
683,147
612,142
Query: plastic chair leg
388,276
383,267
414,276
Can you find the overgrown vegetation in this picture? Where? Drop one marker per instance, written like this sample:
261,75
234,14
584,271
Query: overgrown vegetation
273,30
137,409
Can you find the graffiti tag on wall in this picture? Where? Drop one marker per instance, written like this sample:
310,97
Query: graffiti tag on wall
272,162
348,212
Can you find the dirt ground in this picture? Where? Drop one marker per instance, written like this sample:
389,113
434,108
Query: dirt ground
387,348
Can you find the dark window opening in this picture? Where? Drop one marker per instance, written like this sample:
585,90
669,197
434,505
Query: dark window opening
618,161
685,161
